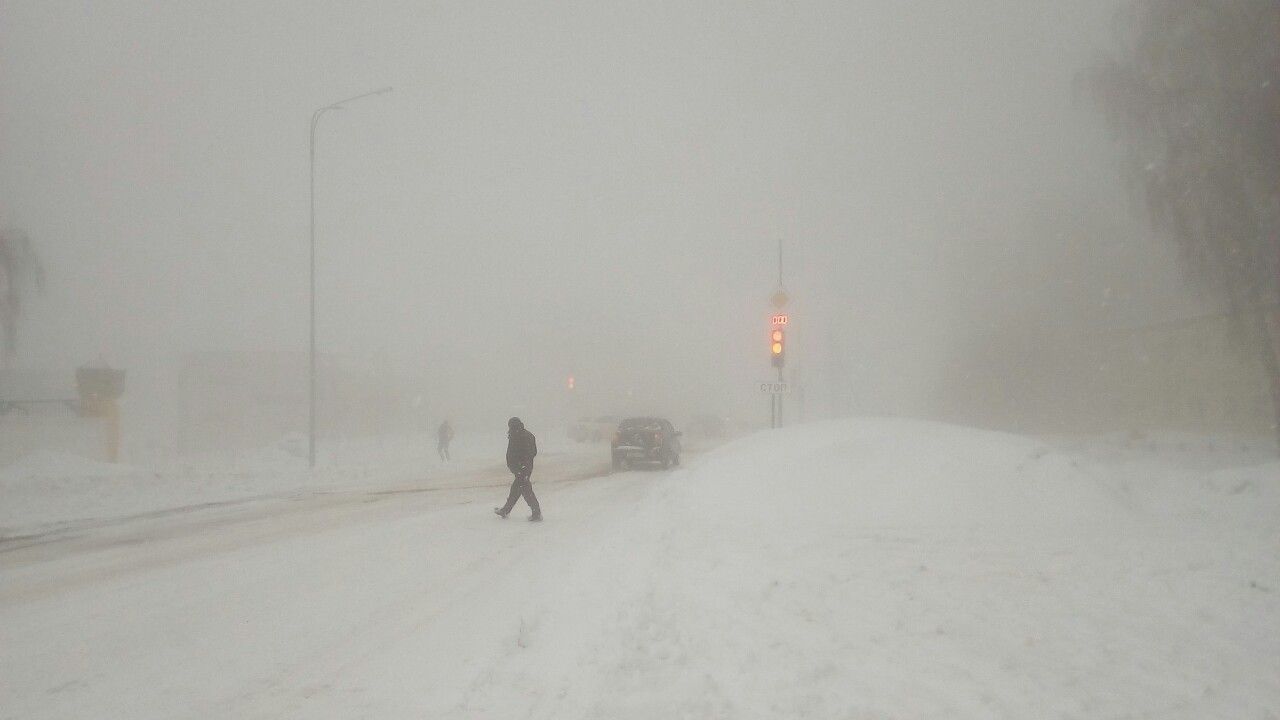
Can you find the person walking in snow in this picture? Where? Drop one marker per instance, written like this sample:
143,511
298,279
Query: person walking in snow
444,434
521,449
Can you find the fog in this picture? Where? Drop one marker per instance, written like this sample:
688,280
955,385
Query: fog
593,190
1018,457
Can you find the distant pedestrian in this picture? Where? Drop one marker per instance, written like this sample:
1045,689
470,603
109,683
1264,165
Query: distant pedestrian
522,447
444,434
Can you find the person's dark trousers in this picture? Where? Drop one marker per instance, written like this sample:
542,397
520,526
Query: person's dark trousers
444,452
521,486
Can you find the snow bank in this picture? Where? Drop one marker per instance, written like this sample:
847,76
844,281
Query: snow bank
872,472
48,464
890,569
1202,483
41,492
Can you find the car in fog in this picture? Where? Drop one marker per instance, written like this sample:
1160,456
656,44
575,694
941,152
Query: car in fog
646,440
593,429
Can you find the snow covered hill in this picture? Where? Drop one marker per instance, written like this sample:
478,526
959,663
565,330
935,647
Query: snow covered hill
854,569
889,569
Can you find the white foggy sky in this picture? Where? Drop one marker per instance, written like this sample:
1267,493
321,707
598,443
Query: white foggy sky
589,187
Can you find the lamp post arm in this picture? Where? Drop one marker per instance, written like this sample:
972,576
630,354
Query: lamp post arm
338,105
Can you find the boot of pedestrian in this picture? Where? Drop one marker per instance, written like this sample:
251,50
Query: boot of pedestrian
537,517
500,513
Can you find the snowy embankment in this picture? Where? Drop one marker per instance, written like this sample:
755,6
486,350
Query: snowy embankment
889,569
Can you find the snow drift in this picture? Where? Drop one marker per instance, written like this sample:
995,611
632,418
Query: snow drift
884,569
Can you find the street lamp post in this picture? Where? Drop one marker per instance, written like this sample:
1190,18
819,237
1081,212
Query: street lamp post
315,119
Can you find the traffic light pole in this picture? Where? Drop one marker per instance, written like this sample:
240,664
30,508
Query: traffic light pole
777,346
779,399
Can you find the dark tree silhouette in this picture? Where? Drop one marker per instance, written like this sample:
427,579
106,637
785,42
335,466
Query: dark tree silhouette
1193,93
20,272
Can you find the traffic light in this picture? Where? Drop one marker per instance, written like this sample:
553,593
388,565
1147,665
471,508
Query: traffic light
778,347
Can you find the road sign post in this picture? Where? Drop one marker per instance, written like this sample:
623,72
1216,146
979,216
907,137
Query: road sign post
778,396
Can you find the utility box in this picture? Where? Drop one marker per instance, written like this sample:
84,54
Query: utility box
99,388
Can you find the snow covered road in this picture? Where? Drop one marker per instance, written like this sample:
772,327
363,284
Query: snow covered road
218,610
872,569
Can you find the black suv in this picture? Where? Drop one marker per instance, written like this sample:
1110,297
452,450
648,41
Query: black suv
646,439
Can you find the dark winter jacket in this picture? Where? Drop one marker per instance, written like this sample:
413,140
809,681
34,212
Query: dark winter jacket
521,447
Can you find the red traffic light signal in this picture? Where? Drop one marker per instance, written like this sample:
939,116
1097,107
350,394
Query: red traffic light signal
777,346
